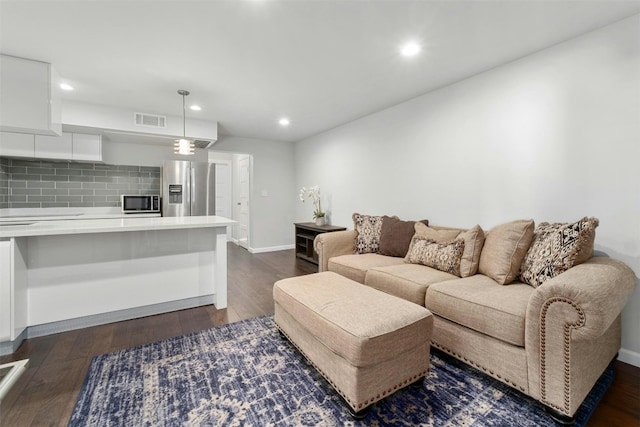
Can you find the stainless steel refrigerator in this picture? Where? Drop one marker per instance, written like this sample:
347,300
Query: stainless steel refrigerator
188,188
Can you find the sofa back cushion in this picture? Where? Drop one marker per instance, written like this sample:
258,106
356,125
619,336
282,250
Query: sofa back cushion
504,249
556,248
395,236
473,242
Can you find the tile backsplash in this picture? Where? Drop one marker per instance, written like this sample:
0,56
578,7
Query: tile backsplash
47,184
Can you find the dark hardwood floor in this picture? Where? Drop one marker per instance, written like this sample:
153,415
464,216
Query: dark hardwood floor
46,393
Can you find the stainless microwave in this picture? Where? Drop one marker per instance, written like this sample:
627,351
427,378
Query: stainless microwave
140,204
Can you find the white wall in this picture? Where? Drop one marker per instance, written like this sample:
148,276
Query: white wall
273,174
553,136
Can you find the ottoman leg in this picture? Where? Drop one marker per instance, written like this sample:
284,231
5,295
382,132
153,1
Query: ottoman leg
359,415
417,384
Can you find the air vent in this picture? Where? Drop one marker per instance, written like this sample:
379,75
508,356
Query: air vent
150,120
202,143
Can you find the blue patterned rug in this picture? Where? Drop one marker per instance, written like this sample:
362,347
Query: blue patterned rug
245,374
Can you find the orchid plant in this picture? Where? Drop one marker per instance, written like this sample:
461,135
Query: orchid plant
313,193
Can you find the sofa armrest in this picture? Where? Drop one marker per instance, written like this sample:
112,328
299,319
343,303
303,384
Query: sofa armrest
572,330
328,245
597,290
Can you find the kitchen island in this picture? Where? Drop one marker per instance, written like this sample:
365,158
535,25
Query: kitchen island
63,275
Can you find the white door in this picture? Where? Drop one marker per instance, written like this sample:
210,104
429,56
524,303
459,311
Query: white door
244,192
223,192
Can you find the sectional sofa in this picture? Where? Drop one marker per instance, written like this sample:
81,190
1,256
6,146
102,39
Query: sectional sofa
529,306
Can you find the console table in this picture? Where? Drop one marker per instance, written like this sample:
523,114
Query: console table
305,233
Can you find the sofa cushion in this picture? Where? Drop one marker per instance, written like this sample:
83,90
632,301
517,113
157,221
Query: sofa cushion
407,281
473,242
368,228
504,249
481,304
355,266
395,235
556,248
443,256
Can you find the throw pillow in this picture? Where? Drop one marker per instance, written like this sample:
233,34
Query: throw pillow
368,233
443,256
435,235
556,248
504,249
395,236
473,242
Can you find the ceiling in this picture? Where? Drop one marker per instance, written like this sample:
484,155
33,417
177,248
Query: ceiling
250,62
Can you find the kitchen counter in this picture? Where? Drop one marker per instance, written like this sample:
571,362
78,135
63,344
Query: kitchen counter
26,226
58,275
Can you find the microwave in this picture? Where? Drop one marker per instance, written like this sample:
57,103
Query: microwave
140,204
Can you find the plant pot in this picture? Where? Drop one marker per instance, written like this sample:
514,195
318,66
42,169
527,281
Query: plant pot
321,220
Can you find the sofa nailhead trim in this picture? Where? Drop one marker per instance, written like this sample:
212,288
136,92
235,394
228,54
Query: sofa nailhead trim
361,405
476,365
568,327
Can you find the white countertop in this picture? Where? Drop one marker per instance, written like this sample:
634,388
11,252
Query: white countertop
32,227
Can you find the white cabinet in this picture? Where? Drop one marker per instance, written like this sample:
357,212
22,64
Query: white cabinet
29,97
16,145
69,146
87,147
53,147
13,289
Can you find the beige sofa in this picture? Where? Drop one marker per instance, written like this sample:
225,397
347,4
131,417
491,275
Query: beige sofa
551,342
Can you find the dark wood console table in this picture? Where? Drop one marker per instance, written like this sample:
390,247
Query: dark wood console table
305,233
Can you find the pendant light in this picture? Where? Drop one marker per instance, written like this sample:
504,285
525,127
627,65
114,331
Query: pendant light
183,145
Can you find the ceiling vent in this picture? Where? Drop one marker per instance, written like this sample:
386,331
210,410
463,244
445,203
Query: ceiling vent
150,120
202,143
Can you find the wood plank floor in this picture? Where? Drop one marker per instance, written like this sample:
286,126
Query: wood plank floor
46,393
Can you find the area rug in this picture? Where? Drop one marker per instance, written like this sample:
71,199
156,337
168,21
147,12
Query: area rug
246,374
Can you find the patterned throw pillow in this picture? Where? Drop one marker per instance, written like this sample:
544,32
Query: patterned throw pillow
443,256
368,229
556,248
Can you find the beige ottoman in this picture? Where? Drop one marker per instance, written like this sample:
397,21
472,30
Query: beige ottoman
366,343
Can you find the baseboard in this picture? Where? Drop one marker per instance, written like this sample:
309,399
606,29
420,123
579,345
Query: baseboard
271,249
9,347
630,357
117,316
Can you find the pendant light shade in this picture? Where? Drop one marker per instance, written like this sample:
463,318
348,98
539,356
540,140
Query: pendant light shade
183,145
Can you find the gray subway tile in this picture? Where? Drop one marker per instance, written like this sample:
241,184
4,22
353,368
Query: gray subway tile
21,198
94,198
18,184
106,179
94,185
81,178
118,186
55,178
70,199
32,191
69,172
55,191
17,169
82,166
68,185
40,184
25,205
80,192
106,192
24,177
41,171
106,204
41,198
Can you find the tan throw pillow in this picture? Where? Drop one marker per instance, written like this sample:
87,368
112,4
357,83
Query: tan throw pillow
504,249
395,236
473,242
433,234
443,256
556,248
368,229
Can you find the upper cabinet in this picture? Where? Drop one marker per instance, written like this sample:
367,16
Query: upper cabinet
29,97
68,146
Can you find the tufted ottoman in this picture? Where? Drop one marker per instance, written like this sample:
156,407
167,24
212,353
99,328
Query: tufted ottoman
366,343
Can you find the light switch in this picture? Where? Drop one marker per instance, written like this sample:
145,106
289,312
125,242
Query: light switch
264,193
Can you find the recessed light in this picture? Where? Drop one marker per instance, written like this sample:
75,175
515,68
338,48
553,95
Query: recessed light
196,108
284,121
66,86
410,49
